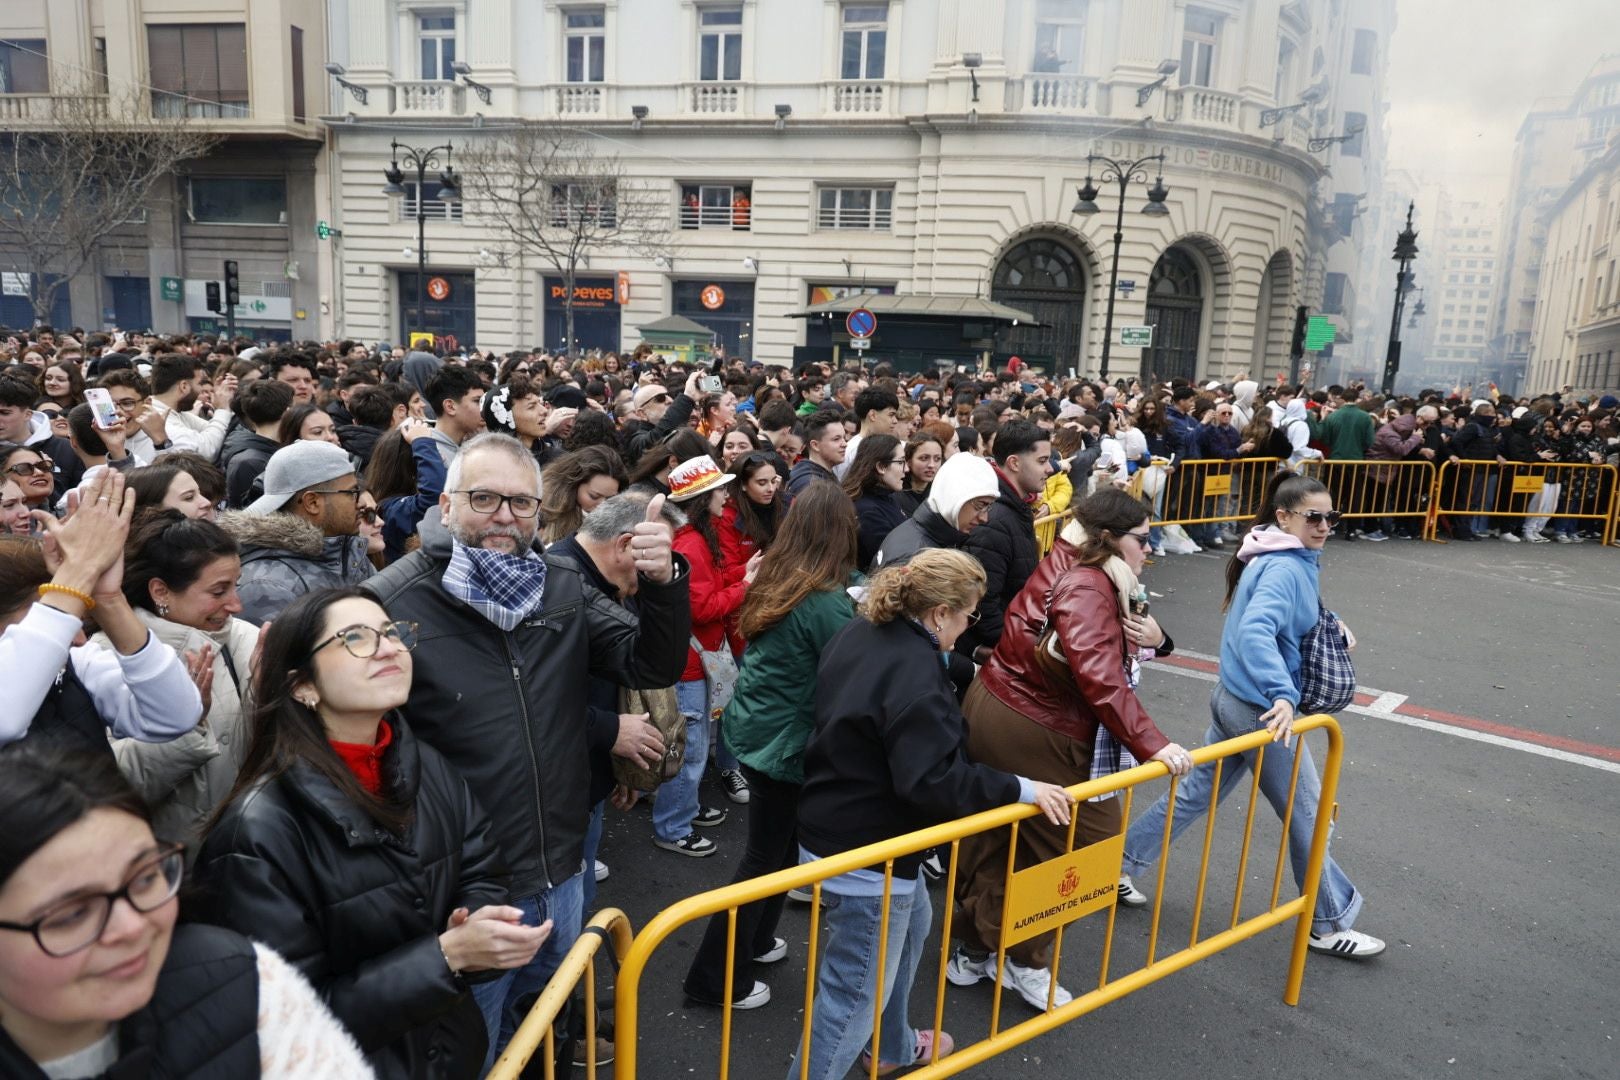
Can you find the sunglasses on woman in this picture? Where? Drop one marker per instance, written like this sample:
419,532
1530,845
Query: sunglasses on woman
1318,517
28,468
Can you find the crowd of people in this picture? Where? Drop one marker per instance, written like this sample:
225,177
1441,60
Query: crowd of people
361,645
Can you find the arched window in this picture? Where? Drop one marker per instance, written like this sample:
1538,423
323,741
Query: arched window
1039,264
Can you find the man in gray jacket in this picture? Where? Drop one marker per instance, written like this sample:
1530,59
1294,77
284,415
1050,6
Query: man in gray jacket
302,534
508,642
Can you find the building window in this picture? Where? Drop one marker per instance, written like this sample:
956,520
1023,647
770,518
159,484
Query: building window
720,44
856,208
1354,122
1285,72
98,58
1199,36
1059,31
432,208
585,43
1333,293
582,204
1344,213
238,200
865,41
23,67
198,71
716,206
436,45
1363,53
298,74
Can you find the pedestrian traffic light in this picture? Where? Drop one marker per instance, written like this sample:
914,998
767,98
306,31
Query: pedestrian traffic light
212,289
1301,319
233,285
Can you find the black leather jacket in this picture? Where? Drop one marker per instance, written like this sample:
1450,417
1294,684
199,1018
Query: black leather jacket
359,911
509,709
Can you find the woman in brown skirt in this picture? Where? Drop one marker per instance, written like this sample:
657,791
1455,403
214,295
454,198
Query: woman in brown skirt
1063,720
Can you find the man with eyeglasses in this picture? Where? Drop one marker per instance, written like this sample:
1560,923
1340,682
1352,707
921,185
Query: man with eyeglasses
510,639
302,534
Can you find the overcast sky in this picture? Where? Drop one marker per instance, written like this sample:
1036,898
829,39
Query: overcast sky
1463,73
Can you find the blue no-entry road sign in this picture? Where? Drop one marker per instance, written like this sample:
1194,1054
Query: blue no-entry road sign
860,323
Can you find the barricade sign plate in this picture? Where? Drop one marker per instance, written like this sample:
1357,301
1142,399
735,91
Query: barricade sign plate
1059,891
1524,484
1217,485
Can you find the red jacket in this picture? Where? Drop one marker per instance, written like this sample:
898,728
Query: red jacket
714,601
1085,607
736,546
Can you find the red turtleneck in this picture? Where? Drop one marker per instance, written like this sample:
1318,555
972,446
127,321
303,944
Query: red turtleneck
365,761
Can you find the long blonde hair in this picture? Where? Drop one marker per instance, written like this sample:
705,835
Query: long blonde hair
934,576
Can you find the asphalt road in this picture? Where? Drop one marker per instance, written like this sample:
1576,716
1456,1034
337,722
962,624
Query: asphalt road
1490,869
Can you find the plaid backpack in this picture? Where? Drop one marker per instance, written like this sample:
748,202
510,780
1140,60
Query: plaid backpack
1327,676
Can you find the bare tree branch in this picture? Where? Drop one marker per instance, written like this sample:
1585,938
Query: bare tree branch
69,185
560,197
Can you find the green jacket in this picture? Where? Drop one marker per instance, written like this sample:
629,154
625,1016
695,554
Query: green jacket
773,710
1348,433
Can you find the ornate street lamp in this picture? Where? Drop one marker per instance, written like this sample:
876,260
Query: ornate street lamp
1122,173
449,191
1406,250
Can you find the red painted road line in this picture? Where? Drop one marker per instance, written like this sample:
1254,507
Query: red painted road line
1439,716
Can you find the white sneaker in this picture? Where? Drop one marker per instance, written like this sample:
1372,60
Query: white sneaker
1129,894
801,896
1350,944
1512,538
1535,538
601,870
1031,983
963,970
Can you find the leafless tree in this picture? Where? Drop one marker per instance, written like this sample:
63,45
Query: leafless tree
78,171
559,196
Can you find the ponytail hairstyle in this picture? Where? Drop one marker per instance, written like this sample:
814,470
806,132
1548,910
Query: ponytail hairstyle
934,576
1286,491
1105,515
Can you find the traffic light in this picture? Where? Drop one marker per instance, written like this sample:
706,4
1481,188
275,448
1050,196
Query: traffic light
212,289
1301,318
233,285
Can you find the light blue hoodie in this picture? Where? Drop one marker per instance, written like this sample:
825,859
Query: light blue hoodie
1276,603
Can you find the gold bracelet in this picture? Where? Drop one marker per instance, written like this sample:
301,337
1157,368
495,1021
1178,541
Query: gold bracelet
84,598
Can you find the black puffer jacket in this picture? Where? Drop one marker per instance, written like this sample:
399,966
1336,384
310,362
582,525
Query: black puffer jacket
358,910
1005,546
509,709
923,529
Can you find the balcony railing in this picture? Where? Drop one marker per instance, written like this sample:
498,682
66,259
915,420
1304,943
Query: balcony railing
715,99
581,99
734,218
1057,93
859,98
1200,105
42,108
429,98
869,220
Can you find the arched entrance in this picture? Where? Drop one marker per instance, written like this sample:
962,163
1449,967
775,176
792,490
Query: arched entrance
1175,310
1046,278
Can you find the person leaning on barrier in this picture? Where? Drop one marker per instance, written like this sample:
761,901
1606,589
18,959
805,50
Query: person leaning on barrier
887,757
356,851
58,686
1085,724
1272,601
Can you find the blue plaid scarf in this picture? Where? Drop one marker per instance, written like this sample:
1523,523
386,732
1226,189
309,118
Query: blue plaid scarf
505,589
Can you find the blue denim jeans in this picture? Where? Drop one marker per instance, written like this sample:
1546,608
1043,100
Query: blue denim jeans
677,801
499,999
1337,901
846,984
1481,496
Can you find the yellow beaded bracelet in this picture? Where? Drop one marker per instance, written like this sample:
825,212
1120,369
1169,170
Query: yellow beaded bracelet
84,598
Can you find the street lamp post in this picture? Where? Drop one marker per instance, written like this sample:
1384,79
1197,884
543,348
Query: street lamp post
1122,173
449,191
1406,250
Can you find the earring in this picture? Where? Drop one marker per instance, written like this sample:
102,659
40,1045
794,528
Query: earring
308,703
163,610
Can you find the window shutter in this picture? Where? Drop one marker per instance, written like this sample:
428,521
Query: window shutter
232,63
166,59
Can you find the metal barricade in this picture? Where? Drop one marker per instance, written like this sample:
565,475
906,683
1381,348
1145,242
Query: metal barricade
1047,529
1102,867
1378,491
1470,493
1205,491
538,1030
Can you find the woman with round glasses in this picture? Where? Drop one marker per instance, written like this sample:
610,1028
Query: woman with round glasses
356,851
95,977
1272,600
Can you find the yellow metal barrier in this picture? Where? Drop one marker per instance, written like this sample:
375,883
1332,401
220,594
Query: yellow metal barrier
1553,490
538,1030
812,875
1047,529
1378,490
1205,491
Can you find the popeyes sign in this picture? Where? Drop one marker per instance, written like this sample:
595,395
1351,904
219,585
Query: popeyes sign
588,294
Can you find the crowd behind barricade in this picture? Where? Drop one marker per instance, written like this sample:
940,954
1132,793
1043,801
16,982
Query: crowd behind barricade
361,645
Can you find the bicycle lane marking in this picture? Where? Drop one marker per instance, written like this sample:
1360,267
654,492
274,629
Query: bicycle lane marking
1396,708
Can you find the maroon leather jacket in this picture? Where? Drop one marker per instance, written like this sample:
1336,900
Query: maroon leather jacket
1085,607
